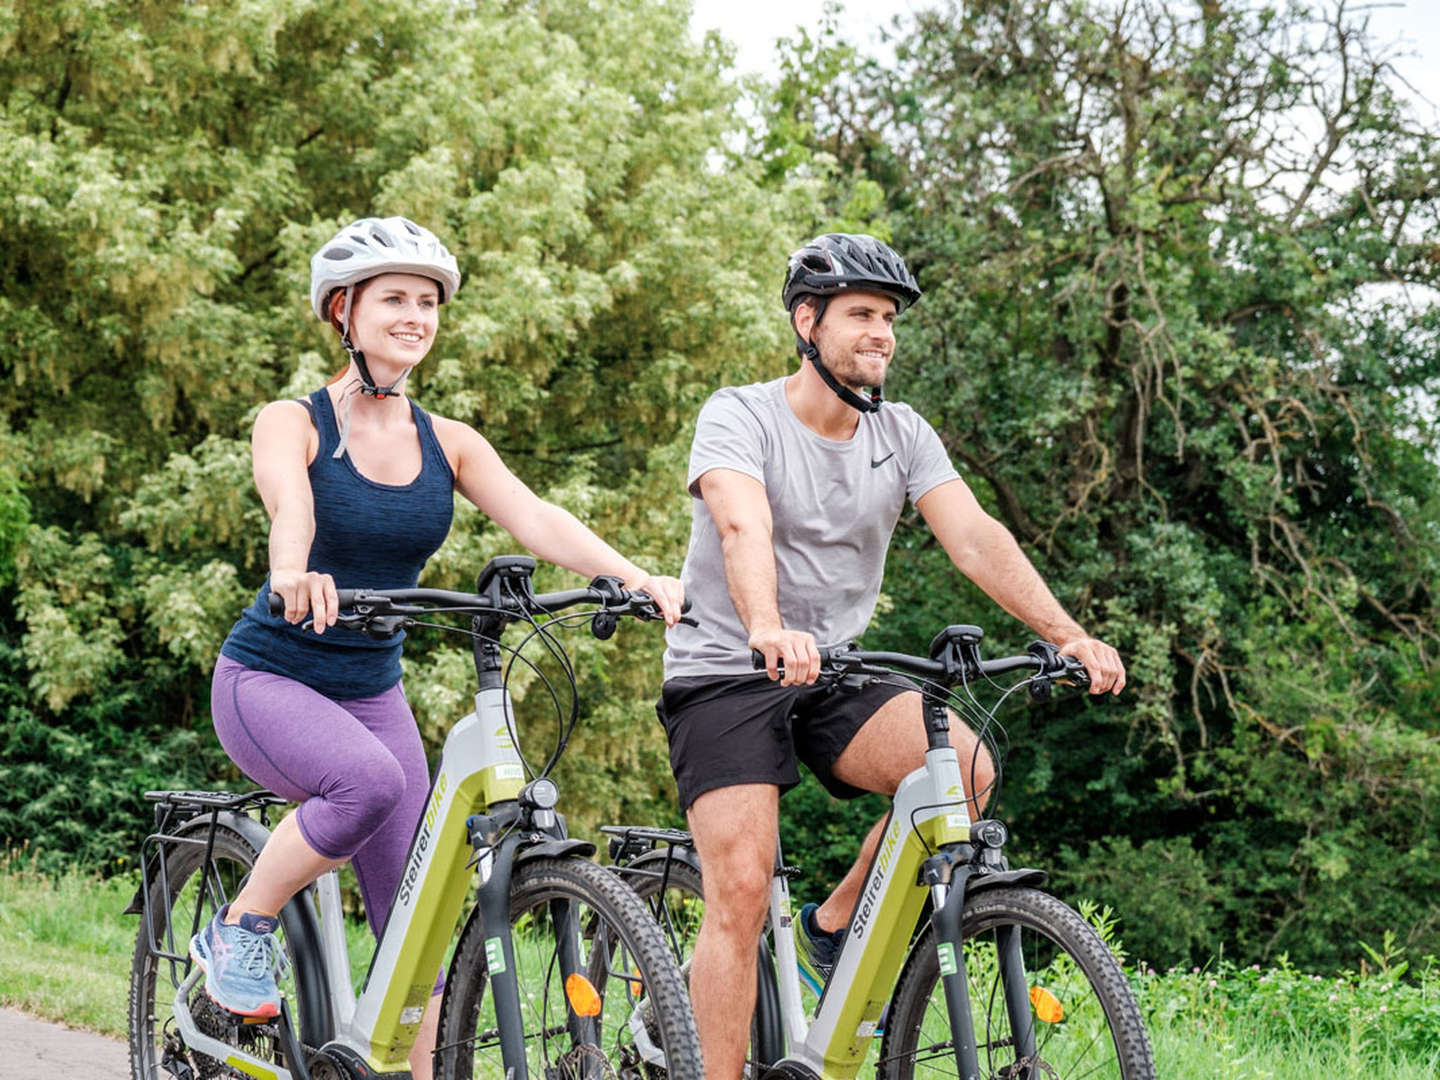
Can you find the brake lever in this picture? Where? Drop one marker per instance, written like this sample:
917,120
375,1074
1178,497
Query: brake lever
1054,666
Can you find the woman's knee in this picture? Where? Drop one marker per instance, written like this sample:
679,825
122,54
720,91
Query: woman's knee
366,798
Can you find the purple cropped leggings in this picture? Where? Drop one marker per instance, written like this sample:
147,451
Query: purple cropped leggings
357,768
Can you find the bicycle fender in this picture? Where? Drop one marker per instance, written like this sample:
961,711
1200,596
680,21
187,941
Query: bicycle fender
555,849
994,880
656,860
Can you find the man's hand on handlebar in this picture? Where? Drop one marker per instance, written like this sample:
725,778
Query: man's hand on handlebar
790,655
306,593
1106,669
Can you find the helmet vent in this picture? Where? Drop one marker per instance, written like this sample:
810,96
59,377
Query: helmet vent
380,238
335,254
414,229
817,261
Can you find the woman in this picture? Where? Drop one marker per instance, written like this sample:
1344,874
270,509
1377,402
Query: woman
358,483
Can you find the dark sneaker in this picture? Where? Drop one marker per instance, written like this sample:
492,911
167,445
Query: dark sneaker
240,963
815,950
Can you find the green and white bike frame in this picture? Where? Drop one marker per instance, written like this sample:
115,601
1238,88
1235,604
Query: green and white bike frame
480,771
930,840
480,812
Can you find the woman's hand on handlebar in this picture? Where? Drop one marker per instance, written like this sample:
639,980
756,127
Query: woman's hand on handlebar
667,592
1106,669
790,655
306,592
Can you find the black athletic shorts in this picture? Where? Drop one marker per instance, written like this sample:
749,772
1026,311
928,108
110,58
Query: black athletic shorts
746,729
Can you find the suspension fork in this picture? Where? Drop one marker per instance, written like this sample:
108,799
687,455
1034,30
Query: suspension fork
947,894
1017,996
493,902
572,962
947,882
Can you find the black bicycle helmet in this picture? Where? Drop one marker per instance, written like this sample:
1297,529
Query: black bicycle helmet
836,263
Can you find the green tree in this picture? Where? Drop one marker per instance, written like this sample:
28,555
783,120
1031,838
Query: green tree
166,170
1180,333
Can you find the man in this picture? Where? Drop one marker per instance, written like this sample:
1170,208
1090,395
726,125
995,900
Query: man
798,484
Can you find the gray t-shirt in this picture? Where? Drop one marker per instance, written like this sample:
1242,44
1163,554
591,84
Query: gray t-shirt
833,506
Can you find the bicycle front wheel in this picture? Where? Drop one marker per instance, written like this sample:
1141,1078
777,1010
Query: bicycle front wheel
624,1009
1082,1018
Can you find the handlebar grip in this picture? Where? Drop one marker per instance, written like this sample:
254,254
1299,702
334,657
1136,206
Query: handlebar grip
757,658
344,597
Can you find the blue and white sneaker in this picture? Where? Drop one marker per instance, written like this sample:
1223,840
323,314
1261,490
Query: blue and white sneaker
241,963
815,950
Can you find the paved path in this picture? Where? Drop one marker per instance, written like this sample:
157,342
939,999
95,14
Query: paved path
33,1049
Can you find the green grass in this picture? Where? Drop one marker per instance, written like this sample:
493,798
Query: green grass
64,946
65,954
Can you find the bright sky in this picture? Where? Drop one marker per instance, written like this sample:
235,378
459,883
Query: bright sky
1411,26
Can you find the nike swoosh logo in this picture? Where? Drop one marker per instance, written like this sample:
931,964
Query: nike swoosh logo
887,457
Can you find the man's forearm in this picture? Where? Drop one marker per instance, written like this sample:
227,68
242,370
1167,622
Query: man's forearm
751,580
999,566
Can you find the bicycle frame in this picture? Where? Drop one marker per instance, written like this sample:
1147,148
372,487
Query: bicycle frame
926,840
479,769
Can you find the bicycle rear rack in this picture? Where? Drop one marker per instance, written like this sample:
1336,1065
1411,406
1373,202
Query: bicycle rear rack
173,810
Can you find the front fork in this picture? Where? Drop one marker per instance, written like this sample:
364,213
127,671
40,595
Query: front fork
493,901
497,869
947,874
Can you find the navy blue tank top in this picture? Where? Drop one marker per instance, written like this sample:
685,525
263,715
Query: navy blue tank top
367,535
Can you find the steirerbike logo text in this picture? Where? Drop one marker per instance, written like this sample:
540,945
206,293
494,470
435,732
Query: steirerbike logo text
889,846
422,842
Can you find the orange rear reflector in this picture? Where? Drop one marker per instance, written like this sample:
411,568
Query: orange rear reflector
582,996
1047,1005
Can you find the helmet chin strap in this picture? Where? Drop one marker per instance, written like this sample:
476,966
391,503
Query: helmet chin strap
811,352
367,383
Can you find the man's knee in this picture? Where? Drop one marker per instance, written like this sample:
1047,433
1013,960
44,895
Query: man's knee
736,900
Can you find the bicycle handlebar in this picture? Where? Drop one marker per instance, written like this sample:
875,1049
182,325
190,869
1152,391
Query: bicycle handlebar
952,666
607,592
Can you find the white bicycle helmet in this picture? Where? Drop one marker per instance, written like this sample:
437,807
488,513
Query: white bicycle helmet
372,246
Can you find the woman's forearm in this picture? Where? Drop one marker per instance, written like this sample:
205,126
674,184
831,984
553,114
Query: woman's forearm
558,536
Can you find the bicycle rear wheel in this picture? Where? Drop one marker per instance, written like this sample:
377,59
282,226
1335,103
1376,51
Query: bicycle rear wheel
639,1009
674,893
1082,1014
184,899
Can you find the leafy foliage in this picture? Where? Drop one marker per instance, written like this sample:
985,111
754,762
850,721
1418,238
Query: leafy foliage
167,171
1180,331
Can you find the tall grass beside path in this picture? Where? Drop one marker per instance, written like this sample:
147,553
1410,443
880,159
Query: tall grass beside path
64,945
